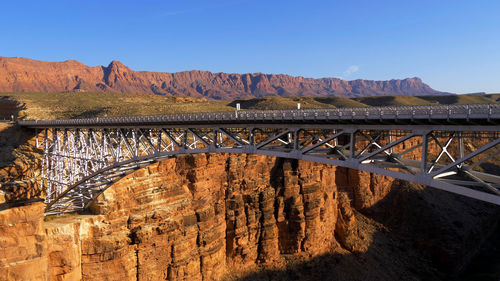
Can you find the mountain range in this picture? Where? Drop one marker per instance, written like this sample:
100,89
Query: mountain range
27,75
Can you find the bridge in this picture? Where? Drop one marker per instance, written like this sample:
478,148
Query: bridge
453,148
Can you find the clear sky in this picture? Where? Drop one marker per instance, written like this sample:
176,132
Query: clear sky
452,45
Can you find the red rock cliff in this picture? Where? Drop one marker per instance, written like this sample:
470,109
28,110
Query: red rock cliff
26,75
208,217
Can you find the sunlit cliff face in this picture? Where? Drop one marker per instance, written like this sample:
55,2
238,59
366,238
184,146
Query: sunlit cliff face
26,75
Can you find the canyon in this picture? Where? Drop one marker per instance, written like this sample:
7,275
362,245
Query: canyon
27,75
237,217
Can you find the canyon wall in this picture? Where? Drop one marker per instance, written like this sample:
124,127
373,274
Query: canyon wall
249,217
198,217
189,218
20,165
26,75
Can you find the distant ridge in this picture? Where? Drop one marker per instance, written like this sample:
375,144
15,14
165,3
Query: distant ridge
27,75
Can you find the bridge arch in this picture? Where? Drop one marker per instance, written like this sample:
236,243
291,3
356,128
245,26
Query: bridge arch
145,161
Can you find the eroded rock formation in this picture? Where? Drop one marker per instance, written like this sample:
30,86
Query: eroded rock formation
26,75
23,243
195,217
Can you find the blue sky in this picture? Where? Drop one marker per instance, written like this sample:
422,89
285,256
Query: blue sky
452,45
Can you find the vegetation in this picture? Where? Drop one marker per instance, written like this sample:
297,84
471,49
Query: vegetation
393,100
340,102
462,99
85,105
269,103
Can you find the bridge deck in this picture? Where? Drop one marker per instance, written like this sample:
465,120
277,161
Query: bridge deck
477,114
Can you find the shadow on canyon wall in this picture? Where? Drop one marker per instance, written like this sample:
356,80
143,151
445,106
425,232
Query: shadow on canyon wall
18,183
486,264
365,266
425,234
10,108
12,138
448,229
17,158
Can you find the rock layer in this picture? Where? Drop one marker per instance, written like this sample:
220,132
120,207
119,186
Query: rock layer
197,216
26,75
23,243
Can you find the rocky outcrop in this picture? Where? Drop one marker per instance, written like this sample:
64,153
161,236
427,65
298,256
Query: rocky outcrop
23,243
26,75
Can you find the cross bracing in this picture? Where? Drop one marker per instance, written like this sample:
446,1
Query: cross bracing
453,149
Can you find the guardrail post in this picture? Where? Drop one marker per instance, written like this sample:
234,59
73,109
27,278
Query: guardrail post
352,147
423,163
214,141
251,137
296,139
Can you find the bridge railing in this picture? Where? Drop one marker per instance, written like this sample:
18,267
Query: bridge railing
7,119
466,111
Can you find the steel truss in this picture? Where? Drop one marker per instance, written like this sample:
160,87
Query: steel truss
80,163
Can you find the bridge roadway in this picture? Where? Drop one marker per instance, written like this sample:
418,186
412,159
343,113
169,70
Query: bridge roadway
414,115
453,148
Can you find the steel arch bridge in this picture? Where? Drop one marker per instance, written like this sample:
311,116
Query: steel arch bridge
452,148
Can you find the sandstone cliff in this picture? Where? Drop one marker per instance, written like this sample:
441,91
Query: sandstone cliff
221,216
26,75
